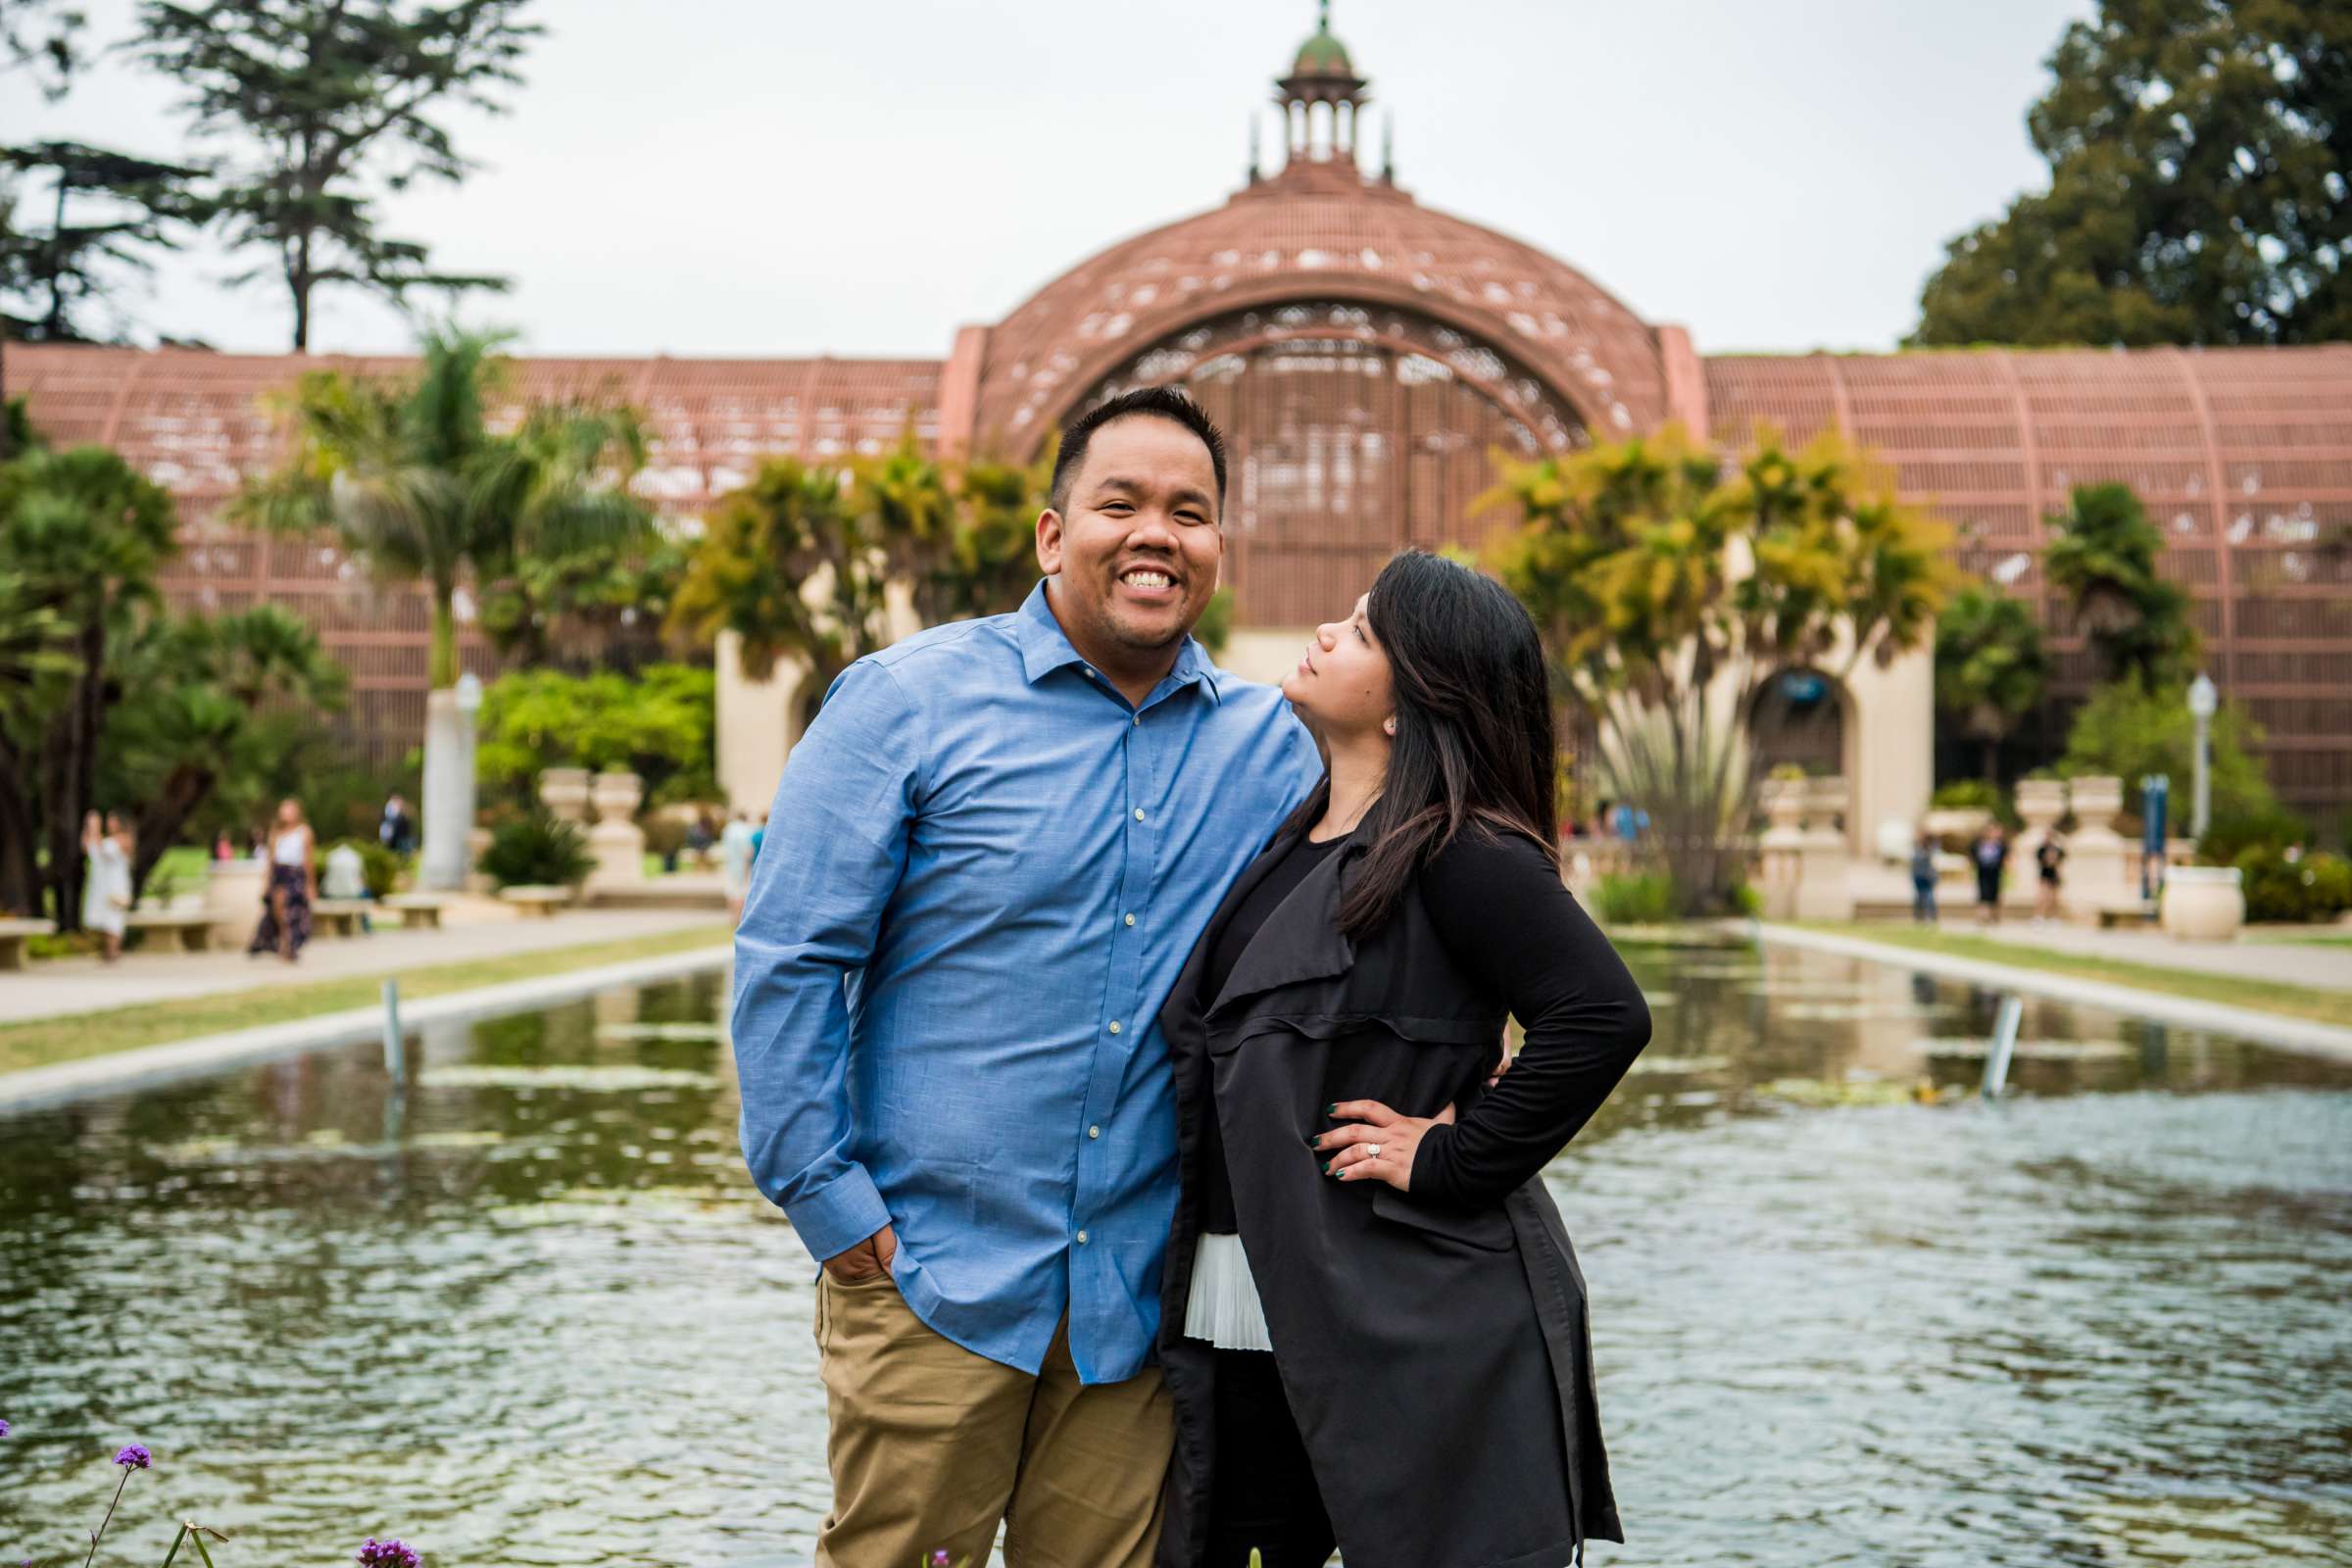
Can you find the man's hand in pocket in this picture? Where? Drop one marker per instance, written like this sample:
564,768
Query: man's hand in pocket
870,1259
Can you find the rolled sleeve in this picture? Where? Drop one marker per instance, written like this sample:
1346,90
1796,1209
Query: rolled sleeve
835,849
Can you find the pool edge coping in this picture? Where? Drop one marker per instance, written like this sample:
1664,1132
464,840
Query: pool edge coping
2188,1012
143,1066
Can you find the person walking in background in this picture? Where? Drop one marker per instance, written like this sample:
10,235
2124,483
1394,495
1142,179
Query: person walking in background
1991,853
397,832
700,835
2048,857
735,849
293,886
224,848
1923,877
105,882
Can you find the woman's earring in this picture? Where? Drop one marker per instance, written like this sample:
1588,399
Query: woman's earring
1388,726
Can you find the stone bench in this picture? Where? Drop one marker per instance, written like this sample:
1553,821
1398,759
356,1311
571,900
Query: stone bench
2136,912
340,917
14,935
536,901
417,911
173,930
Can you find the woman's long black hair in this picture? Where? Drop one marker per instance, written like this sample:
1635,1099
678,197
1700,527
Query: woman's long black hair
1475,741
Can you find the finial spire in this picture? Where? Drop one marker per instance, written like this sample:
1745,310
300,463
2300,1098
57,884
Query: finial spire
1323,17
1388,148
1253,126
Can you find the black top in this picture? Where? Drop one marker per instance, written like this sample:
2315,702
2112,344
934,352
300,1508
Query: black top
1499,905
2048,857
1304,854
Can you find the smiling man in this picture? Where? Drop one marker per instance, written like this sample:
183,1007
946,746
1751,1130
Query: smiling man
989,856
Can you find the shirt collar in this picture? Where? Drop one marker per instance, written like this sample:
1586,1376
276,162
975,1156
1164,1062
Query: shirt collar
1046,648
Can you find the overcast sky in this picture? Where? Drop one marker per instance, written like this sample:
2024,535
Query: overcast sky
785,178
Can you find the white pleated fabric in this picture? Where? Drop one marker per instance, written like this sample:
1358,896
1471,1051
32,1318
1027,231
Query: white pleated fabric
1224,1308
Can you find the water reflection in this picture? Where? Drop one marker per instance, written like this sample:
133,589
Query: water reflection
529,1312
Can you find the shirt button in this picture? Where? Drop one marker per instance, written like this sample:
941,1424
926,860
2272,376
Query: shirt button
1139,814
1138,718
1131,919
1114,1026
1094,1132
1082,1238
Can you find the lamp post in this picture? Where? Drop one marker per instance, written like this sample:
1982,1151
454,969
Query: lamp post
2203,699
449,740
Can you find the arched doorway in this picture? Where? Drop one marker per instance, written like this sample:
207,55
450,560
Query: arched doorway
1800,718
1354,431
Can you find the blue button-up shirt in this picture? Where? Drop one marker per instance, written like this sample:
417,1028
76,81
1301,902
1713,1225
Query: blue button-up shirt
983,871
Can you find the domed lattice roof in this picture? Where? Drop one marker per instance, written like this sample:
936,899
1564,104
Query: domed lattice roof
1318,232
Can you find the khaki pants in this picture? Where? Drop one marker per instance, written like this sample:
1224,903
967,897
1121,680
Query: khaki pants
931,1445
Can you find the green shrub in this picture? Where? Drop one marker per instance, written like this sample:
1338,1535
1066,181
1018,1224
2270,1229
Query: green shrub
1644,898
2317,887
379,867
2267,828
540,850
665,836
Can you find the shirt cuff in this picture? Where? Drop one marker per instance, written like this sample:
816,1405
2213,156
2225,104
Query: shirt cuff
840,1215
1433,1163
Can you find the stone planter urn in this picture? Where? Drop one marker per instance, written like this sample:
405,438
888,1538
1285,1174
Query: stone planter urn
564,792
232,896
616,841
478,845
2202,903
1825,886
2102,866
1780,849
1962,823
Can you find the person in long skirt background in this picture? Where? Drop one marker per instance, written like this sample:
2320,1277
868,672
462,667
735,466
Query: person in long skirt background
293,883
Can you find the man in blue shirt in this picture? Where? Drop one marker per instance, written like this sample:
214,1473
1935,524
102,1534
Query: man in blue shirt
1003,839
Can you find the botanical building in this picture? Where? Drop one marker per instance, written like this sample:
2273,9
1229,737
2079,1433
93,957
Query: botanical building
1367,352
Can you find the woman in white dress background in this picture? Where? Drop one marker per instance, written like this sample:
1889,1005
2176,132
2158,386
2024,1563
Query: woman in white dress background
105,880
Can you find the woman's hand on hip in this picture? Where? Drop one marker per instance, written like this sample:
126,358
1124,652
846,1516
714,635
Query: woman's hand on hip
1377,1145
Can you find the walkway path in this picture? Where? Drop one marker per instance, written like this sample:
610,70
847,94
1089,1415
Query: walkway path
66,986
2325,965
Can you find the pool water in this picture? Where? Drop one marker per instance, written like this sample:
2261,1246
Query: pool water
1846,1312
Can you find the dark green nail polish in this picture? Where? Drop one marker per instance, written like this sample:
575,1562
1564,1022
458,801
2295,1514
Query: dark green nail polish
1331,1109
1327,1168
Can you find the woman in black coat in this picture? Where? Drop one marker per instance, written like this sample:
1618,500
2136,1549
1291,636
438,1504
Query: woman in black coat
1373,1324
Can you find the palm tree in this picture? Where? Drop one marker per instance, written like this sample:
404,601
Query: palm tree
2102,560
418,487
197,686
1991,670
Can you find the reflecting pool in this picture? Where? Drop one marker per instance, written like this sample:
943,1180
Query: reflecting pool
531,1311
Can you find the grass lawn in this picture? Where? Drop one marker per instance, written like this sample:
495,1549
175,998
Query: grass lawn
42,1041
2266,995
2302,939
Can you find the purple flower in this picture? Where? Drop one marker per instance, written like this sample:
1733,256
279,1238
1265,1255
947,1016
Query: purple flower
938,1559
3,1429
133,1457
388,1554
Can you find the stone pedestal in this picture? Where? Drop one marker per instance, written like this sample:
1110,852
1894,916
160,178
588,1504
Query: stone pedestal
478,844
232,896
2040,802
616,841
2102,866
1825,889
563,791
448,802
1780,851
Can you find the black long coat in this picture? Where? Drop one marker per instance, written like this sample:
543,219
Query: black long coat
1437,1359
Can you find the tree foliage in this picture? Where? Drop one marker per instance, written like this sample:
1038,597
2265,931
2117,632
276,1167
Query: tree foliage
659,724
418,487
2199,152
324,102
2102,560
52,278
2130,731
1991,668
83,537
207,705
811,563
1670,590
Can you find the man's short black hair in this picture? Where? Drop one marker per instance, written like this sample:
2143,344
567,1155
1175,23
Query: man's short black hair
1160,402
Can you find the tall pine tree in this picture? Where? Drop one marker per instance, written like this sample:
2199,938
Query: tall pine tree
52,278
327,102
2199,155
